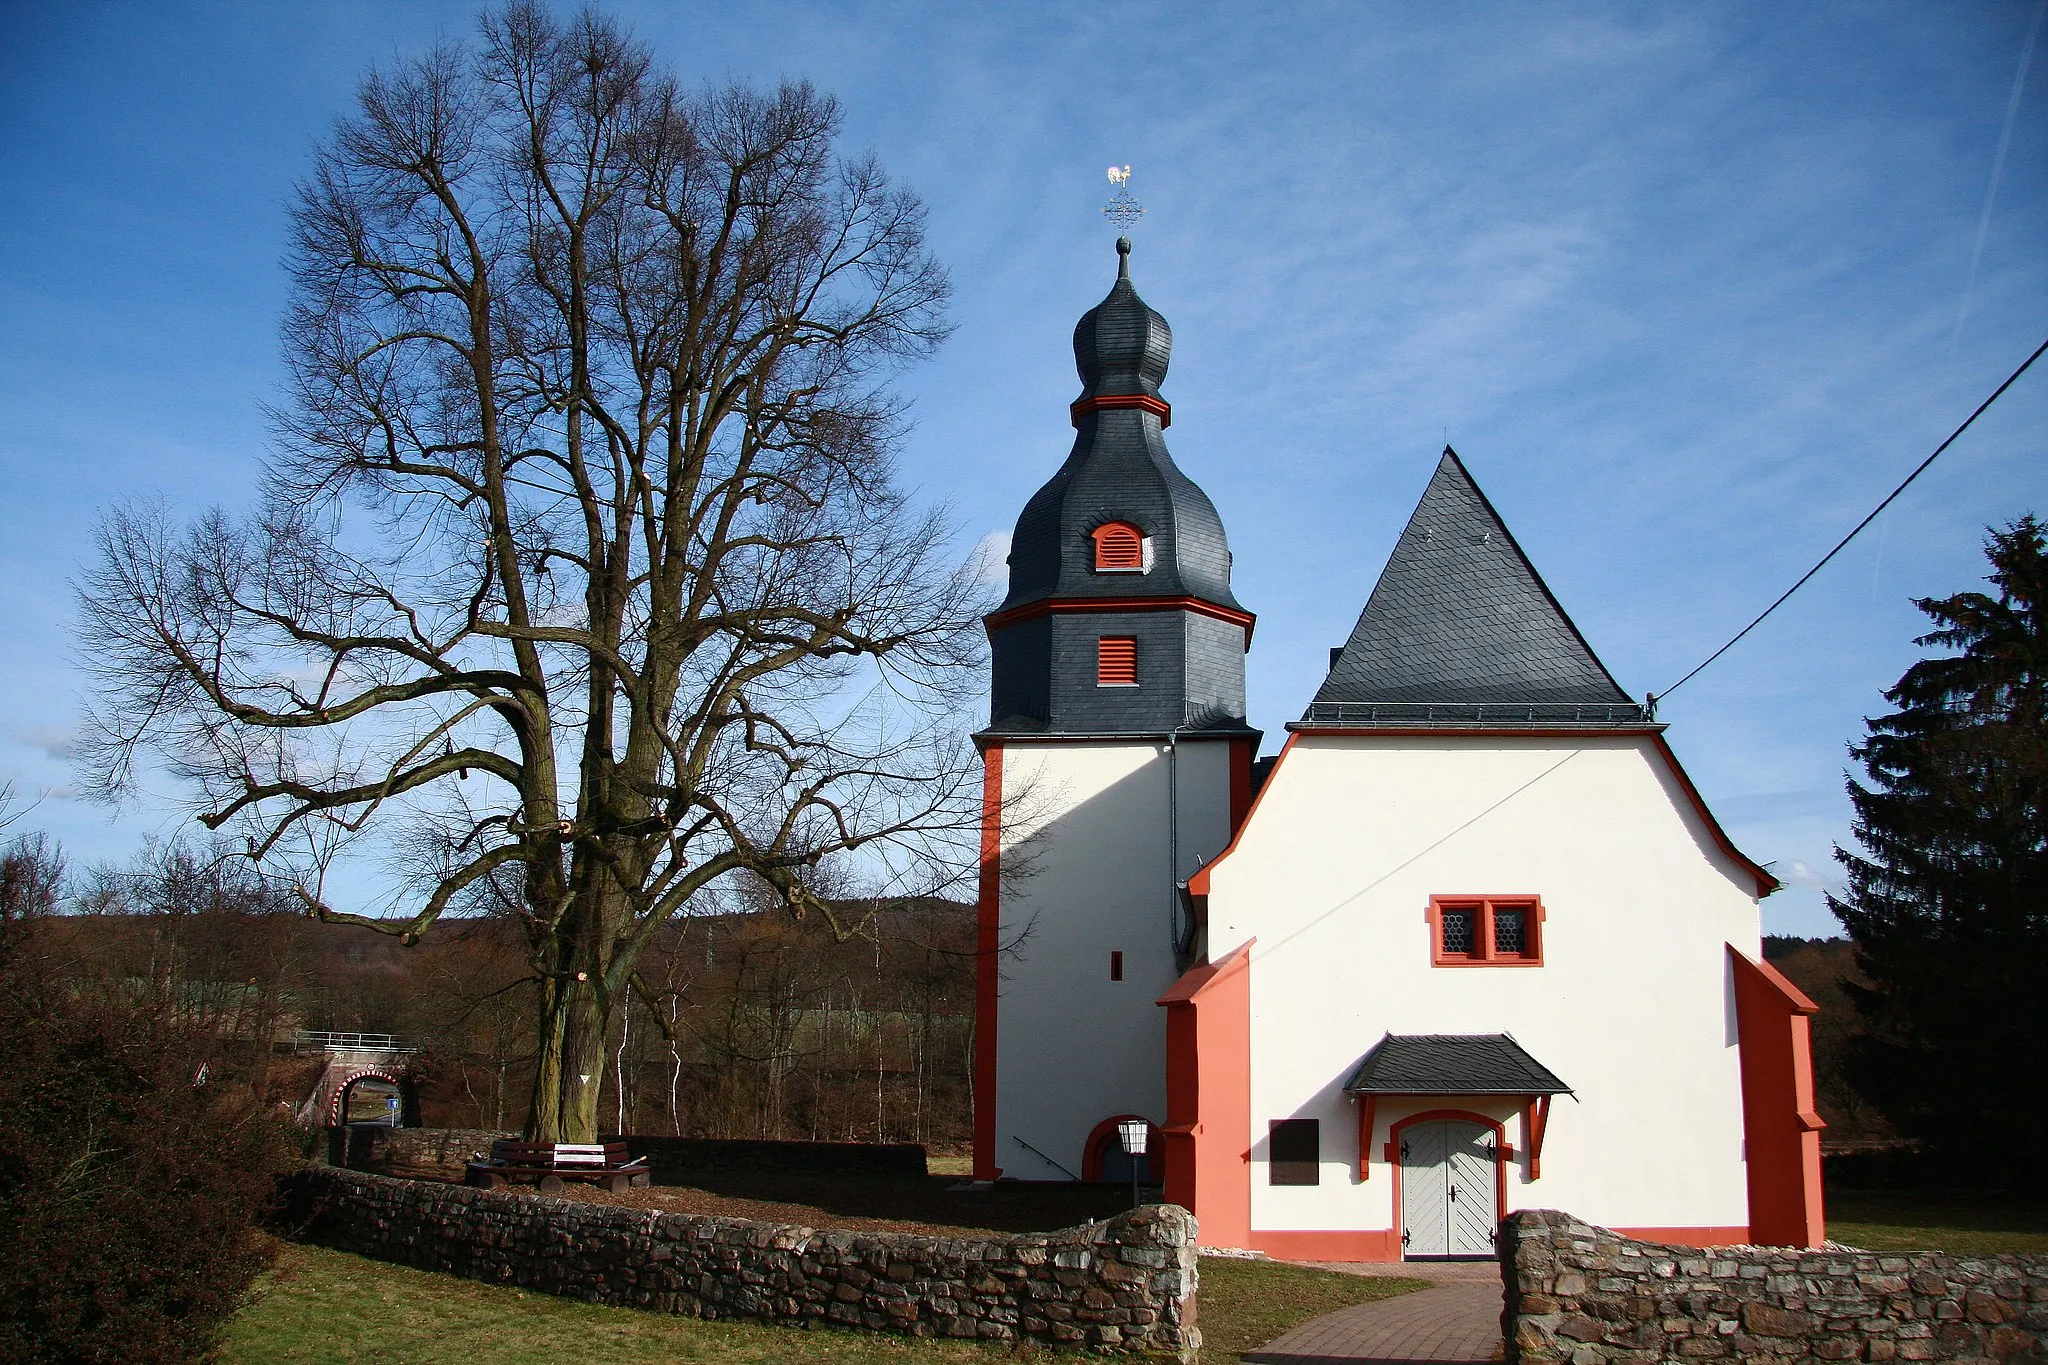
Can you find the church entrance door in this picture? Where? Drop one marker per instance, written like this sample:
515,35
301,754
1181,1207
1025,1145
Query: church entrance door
1448,1208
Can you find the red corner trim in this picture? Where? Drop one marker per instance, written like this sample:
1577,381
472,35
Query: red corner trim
1798,1000
1242,754
1781,1131
1048,606
1197,978
1159,407
987,941
1206,1145
1198,885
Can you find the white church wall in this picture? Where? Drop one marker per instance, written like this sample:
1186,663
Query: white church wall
1074,1047
1630,1006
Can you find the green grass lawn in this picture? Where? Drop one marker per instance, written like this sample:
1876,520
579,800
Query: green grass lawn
1245,1304
320,1306
1966,1224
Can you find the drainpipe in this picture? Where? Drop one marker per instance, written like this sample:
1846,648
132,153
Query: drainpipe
1173,905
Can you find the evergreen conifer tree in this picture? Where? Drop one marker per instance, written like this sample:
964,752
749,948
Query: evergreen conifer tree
1948,901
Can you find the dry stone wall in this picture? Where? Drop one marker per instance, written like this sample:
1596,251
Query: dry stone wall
1588,1296
1126,1285
414,1153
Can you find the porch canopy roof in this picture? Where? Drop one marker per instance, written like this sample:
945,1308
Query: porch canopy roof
1452,1064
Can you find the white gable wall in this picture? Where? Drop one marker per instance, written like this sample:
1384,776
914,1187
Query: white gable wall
1631,1007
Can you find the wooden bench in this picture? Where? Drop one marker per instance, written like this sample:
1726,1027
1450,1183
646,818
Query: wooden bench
548,1164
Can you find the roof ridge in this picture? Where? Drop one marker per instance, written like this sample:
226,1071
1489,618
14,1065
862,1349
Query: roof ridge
1529,564
1451,623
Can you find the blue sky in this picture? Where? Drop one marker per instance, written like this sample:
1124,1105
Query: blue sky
1689,287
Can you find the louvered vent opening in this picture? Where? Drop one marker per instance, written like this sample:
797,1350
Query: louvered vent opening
1116,661
1119,548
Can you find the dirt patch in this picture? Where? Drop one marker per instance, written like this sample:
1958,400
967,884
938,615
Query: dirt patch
937,1206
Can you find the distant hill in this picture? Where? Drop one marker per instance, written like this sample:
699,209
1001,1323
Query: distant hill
1823,967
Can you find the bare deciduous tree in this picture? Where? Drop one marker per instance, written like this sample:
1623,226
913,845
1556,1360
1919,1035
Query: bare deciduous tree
579,574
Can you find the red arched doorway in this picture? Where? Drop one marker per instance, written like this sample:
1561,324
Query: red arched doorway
1103,1157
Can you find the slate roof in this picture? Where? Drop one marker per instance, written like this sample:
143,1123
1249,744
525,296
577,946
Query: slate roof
1452,1064
1461,629
1121,345
1119,470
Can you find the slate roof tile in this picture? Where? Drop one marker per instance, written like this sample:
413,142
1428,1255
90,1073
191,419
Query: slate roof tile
1460,617
1452,1064
1120,470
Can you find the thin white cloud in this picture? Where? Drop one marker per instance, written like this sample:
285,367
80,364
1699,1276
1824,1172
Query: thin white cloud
59,742
989,561
1798,872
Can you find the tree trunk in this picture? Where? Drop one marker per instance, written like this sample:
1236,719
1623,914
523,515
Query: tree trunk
571,1071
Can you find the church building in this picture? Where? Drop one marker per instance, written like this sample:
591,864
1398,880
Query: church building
1471,942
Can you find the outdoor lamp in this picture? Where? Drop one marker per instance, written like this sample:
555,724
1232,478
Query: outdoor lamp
1131,1132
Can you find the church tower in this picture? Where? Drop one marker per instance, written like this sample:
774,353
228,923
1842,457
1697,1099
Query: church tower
1117,761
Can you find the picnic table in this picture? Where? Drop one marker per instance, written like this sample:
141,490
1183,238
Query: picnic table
549,1164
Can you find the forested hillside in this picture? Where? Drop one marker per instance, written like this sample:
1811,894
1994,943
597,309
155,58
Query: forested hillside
743,1024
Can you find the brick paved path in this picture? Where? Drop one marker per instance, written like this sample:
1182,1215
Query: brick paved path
1457,1320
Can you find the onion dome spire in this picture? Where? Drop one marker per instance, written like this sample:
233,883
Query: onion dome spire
1121,346
1120,544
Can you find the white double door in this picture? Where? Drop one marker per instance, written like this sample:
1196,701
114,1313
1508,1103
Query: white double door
1448,1206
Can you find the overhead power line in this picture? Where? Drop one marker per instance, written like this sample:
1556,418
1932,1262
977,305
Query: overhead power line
1918,470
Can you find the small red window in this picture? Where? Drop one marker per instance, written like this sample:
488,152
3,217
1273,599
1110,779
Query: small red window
1485,931
1116,661
1119,548
1116,966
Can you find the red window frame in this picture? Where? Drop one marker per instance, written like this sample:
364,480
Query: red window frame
1119,548
1484,953
1116,661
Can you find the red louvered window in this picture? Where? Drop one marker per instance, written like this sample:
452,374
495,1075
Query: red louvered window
1116,661
1119,548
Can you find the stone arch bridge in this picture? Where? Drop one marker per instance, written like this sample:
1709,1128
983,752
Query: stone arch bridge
353,1058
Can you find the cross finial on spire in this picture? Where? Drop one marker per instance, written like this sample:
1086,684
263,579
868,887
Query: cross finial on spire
1122,209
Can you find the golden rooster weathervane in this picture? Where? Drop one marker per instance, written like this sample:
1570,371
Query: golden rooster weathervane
1122,209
